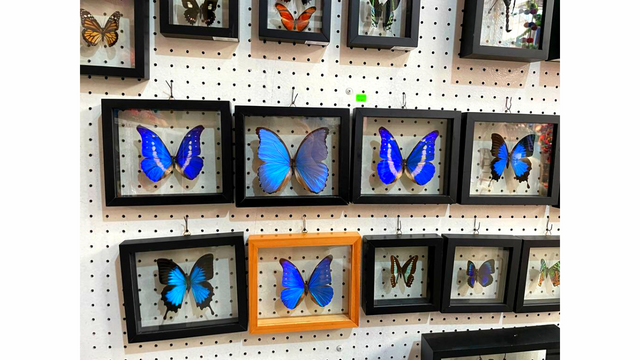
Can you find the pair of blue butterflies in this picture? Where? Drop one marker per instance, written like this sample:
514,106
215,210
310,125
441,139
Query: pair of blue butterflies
178,284
318,287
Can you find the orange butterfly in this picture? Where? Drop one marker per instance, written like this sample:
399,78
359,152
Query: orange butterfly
292,24
93,33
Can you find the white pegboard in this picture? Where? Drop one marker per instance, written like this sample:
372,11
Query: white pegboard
252,72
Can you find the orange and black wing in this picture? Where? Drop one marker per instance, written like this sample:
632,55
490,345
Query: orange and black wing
110,30
286,17
303,19
91,29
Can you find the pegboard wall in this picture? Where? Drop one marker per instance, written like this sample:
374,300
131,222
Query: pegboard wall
252,72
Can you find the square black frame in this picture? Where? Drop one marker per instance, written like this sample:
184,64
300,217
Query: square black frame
397,306
305,200
554,41
512,243
452,154
300,37
468,122
412,27
110,134
438,346
141,48
129,248
198,32
472,28
537,305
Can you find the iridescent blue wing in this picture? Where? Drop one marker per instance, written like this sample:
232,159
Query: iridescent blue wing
188,160
519,157
500,154
390,167
472,273
274,174
201,288
320,282
171,275
157,162
292,283
484,272
418,166
310,169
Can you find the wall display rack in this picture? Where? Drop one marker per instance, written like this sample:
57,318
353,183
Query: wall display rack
539,277
390,24
200,19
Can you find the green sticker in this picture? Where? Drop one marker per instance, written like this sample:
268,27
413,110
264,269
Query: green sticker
361,97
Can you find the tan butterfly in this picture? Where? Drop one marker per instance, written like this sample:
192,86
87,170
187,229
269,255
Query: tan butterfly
93,33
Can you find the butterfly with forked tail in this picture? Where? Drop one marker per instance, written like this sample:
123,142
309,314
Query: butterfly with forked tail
405,271
295,288
292,24
178,284
482,275
93,33
417,166
518,157
206,11
552,272
383,12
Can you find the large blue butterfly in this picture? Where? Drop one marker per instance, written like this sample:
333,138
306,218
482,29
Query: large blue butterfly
307,165
158,162
178,283
417,166
295,288
517,158
482,274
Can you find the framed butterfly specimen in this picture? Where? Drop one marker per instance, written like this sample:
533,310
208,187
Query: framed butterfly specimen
404,272
304,282
297,21
480,275
200,19
385,24
93,33
295,24
184,286
552,272
539,277
161,152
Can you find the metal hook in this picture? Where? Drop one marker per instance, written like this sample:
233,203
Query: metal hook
304,224
398,226
548,229
186,226
404,100
476,230
294,97
170,85
507,104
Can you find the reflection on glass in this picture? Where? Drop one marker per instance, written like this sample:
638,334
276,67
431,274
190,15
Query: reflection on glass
523,355
512,23
479,275
383,17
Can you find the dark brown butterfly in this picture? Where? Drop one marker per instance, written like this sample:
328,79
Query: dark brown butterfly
405,271
206,11
93,33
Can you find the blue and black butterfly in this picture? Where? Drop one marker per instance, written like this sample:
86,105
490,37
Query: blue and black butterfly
307,165
417,166
518,157
178,283
158,162
405,271
481,275
318,286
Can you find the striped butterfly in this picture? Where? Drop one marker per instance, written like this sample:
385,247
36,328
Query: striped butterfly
405,271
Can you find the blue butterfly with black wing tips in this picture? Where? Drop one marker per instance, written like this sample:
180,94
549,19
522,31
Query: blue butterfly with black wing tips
307,165
417,166
518,157
295,288
481,275
158,162
178,284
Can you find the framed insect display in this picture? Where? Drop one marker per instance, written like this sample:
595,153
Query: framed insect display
167,152
554,40
200,19
512,30
290,156
401,273
386,24
304,282
480,273
184,286
403,156
114,38
539,278
299,21
510,159
518,343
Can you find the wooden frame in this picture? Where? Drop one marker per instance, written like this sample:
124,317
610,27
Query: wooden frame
306,323
408,42
307,38
169,29
533,305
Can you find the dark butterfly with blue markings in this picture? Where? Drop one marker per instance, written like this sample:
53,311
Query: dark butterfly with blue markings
405,271
318,286
552,272
178,284
518,157
482,274
507,4
158,162
417,166
383,12
206,11
307,165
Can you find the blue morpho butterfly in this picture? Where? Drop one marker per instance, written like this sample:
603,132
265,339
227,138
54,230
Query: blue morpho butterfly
417,166
518,157
482,274
318,286
158,162
307,164
178,283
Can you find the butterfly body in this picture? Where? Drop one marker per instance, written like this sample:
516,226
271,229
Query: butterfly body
481,275
517,158
205,12
552,272
295,24
417,166
93,33
405,271
318,286
383,12
178,284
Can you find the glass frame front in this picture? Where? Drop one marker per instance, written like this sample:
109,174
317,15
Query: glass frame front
309,38
170,29
522,305
407,42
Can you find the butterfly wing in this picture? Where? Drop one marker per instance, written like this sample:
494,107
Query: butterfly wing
191,11
208,11
276,170
110,30
484,272
554,273
285,16
395,270
91,29
472,273
543,271
390,7
188,160
408,269
418,166
171,275
201,288
303,19
390,167
292,283
376,12
310,169
157,162
320,282
519,157
501,155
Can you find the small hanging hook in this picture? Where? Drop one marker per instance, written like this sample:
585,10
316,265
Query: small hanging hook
294,97
170,85
398,226
548,229
304,224
404,100
476,230
186,226
507,104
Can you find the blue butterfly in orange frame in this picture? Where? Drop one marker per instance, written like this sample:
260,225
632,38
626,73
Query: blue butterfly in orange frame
518,157
417,166
295,288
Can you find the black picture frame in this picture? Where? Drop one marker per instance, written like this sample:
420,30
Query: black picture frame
110,135
141,48
409,42
529,242
404,305
472,28
554,41
308,38
450,191
302,200
439,346
198,32
468,122
135,332
511,243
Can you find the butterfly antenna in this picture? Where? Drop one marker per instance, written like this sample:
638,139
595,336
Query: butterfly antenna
210,308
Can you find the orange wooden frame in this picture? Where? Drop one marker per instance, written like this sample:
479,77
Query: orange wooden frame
304,323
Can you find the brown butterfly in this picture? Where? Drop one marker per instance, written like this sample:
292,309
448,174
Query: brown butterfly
405,271
93,33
